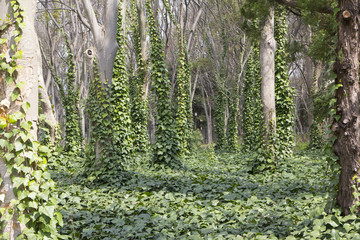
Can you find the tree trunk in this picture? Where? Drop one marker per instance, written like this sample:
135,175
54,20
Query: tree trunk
30,72
346,129
267,68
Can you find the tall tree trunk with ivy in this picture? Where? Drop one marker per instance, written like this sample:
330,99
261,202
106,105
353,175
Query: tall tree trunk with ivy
166,149
183,98
221,99
120,99
252,117
73,135
232,125
138,96
284,94
26,186
347,121
267,70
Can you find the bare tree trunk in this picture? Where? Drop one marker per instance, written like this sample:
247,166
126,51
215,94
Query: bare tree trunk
30,72
267,67
346,129
104,36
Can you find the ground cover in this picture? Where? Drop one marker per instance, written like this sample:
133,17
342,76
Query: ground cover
214,197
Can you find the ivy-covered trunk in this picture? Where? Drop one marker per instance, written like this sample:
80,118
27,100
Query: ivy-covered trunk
347,122
26,204
284,94
139,82
167,145
252,117
120,98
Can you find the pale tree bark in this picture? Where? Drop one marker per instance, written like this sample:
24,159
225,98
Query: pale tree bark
30,73
267,69
346,129
143,43
104,36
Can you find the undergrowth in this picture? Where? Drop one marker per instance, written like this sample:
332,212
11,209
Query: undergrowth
213,197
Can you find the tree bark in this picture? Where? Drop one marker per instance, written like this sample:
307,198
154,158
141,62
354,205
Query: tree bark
104,36
346,129
30,73
267,68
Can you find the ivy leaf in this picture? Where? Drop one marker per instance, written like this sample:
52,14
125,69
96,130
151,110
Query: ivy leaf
4,143
26,106
3,122
47,210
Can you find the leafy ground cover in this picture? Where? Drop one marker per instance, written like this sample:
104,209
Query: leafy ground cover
214,197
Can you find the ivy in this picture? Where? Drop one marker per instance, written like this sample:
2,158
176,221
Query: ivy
232,125
101,153
252,117
120,99
183,122
221,99
34,205
138,103
284,94
166,149
73,135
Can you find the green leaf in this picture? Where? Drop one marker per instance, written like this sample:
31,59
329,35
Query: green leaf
26,106
47,210
3,122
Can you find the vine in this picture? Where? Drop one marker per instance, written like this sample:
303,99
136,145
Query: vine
102,153
252,117
221,99
73,136
232,125
166,148
284,94
120,99
138,103
30,206
183,125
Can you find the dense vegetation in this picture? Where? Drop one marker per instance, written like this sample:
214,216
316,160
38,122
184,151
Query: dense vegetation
214,197
191,119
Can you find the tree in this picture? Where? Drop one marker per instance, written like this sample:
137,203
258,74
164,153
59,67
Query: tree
166,149
346,126
26,185
267,71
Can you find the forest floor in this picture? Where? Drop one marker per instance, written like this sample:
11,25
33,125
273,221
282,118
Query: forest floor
216,197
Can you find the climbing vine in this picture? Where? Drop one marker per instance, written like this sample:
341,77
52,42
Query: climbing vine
183,126
284,94
138,103
252,117
232,125
166,149
120,99
102,155
73,136
221,99
30,203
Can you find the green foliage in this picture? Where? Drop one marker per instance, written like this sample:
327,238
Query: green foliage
34,206
120,99
221,99
252,118
215,198
284,94
220,103
166,150
138,103
232,125
103,159
73,136
184,113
